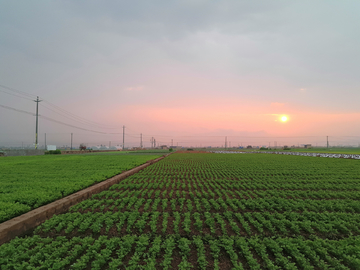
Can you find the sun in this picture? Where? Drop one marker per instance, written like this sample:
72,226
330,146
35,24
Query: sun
284,118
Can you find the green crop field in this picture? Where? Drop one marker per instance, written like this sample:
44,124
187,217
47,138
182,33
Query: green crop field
29,182
137,152
208,211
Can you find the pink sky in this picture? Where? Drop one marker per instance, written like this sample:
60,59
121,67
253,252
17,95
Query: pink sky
242,116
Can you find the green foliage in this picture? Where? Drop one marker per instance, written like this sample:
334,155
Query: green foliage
202,211
53,152
32,181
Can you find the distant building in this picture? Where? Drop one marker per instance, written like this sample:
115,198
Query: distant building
163,147
307,145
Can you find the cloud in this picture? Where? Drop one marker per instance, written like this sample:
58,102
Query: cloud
134,88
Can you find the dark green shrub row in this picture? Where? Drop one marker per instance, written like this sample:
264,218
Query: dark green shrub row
53,152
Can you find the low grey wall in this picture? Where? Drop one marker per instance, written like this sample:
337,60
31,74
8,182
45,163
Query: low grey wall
23,152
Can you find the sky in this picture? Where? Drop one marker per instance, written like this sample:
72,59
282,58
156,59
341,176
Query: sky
188,71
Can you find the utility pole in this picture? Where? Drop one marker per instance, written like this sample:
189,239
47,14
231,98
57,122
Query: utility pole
71,141
141,146
123,138
327,141
45,141
172,141
152,142
37,123
225,142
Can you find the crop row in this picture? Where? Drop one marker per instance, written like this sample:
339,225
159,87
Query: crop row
145,252
242,194
105,202
216,189
227,223
196,181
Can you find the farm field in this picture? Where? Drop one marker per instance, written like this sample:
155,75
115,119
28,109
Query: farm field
208,211
331,150
136,152
29,182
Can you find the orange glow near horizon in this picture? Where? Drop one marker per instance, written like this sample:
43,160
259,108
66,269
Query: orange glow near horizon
229,116
284,118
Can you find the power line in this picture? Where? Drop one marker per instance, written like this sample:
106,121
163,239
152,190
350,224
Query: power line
15,95
69,125
56,121
71,117
14,109
78,117
18,91
133,136
27,96
238,136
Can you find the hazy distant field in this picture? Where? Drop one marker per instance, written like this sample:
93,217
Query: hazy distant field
330,150
209,211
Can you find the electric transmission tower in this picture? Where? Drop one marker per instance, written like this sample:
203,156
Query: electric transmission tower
37,120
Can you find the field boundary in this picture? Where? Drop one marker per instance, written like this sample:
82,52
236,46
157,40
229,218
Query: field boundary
21,152
23,224
305,154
